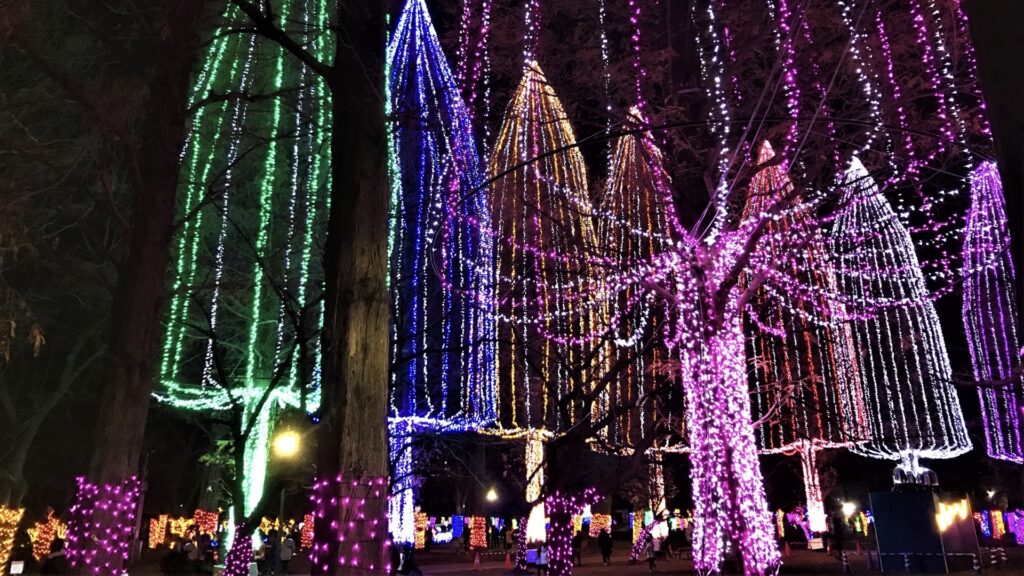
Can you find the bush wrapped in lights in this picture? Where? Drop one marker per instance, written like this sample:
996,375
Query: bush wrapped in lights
43,533
206,521
478,532
9,520
600,522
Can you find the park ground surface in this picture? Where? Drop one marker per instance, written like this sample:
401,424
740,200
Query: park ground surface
799,563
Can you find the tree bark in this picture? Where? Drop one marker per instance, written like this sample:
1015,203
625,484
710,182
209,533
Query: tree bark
130,358
352,436
135,327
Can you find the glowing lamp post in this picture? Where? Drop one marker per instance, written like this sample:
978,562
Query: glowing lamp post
287,444
848,509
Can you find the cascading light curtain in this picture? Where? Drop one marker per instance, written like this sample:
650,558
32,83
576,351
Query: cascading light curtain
911,405
542,223
635,222
990,315
440,248
804,381
244,311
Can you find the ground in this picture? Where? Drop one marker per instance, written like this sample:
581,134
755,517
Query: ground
799,563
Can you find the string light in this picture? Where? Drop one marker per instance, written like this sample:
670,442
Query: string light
179,526
443,347
42,535
521,544
854,26
356,532
474,60
600,522
255,333
998,527
562,507
990,316
306,535
9,520
421,531
206,521
712,69
535,525
642,229
912,408
984,521
948,513
157,531
100,525
240,559
640,538
540,202
440,368
804,380
478,532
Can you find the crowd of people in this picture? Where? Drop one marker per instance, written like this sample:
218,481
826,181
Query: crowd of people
197,554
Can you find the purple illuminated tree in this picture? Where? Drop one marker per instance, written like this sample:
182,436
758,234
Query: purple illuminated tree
991,317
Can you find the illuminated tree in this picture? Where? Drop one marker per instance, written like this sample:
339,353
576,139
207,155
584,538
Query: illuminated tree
541,218
905,379
804,380
541,211
121,118
991,316
442,344
635,222
245,306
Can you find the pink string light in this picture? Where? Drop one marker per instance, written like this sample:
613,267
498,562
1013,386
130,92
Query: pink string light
101,524
561,508
358,537
990,315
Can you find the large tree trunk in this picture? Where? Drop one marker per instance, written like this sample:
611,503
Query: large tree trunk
352,437
728,490
131,356
135,327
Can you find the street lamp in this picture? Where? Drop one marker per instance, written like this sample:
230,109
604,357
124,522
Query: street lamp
492,495
287,444
848,509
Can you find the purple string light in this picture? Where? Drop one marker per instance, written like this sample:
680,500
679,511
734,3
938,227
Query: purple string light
560,508
240,558
358,536
990,316
101,524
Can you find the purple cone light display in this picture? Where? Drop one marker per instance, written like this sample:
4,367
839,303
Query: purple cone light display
990,316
